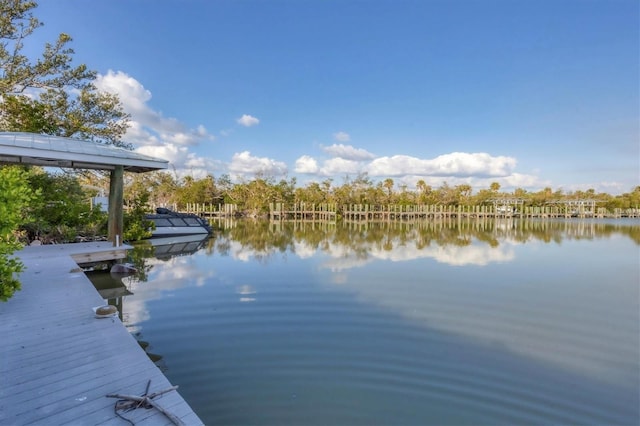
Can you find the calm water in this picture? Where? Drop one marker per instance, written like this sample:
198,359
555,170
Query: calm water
445,323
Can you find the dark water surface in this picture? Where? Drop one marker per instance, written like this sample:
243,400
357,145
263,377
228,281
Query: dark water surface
443,323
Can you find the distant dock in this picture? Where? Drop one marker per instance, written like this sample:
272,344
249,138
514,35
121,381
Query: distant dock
494,208
397,212
58,362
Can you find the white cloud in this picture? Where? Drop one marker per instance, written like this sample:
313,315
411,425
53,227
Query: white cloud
304,250
247,120
348,152
457,167
518,180
474,254
244,163
340,166
154,134
148,127
306,164
132,94
342,137
182,161
454,164
171,152
476,169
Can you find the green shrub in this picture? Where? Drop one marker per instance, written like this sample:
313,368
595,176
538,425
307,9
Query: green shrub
15,197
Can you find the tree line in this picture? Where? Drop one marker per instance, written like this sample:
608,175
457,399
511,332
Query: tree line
57,207
253,197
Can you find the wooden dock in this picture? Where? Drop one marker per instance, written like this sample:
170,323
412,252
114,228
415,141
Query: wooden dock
303,211
503,208
556,210
58,362
494,208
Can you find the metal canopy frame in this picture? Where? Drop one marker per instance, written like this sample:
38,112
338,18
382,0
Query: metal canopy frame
55,151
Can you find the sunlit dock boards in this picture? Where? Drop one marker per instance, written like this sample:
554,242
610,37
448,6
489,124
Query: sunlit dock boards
58,361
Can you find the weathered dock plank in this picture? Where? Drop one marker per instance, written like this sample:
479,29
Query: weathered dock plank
58,362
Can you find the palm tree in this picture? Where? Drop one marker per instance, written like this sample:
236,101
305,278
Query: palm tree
388,184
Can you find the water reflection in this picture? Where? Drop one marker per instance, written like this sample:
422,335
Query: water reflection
352,244
343,247
111,288
167,258
504,322
247,293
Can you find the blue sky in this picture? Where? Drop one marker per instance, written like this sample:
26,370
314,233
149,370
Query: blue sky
530,93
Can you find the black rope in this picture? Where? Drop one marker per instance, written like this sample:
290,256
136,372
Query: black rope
115,410
140,404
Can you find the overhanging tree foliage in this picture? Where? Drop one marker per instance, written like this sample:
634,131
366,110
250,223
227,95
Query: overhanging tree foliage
49,94
46,94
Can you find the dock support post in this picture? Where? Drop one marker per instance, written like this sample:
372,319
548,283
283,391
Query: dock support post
116,220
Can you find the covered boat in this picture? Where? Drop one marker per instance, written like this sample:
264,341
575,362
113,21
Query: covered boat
169,223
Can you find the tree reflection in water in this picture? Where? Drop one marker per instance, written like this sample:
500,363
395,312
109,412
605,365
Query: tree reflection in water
265,238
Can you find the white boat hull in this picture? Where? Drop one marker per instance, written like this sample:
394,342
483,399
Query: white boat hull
176,239
169,231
